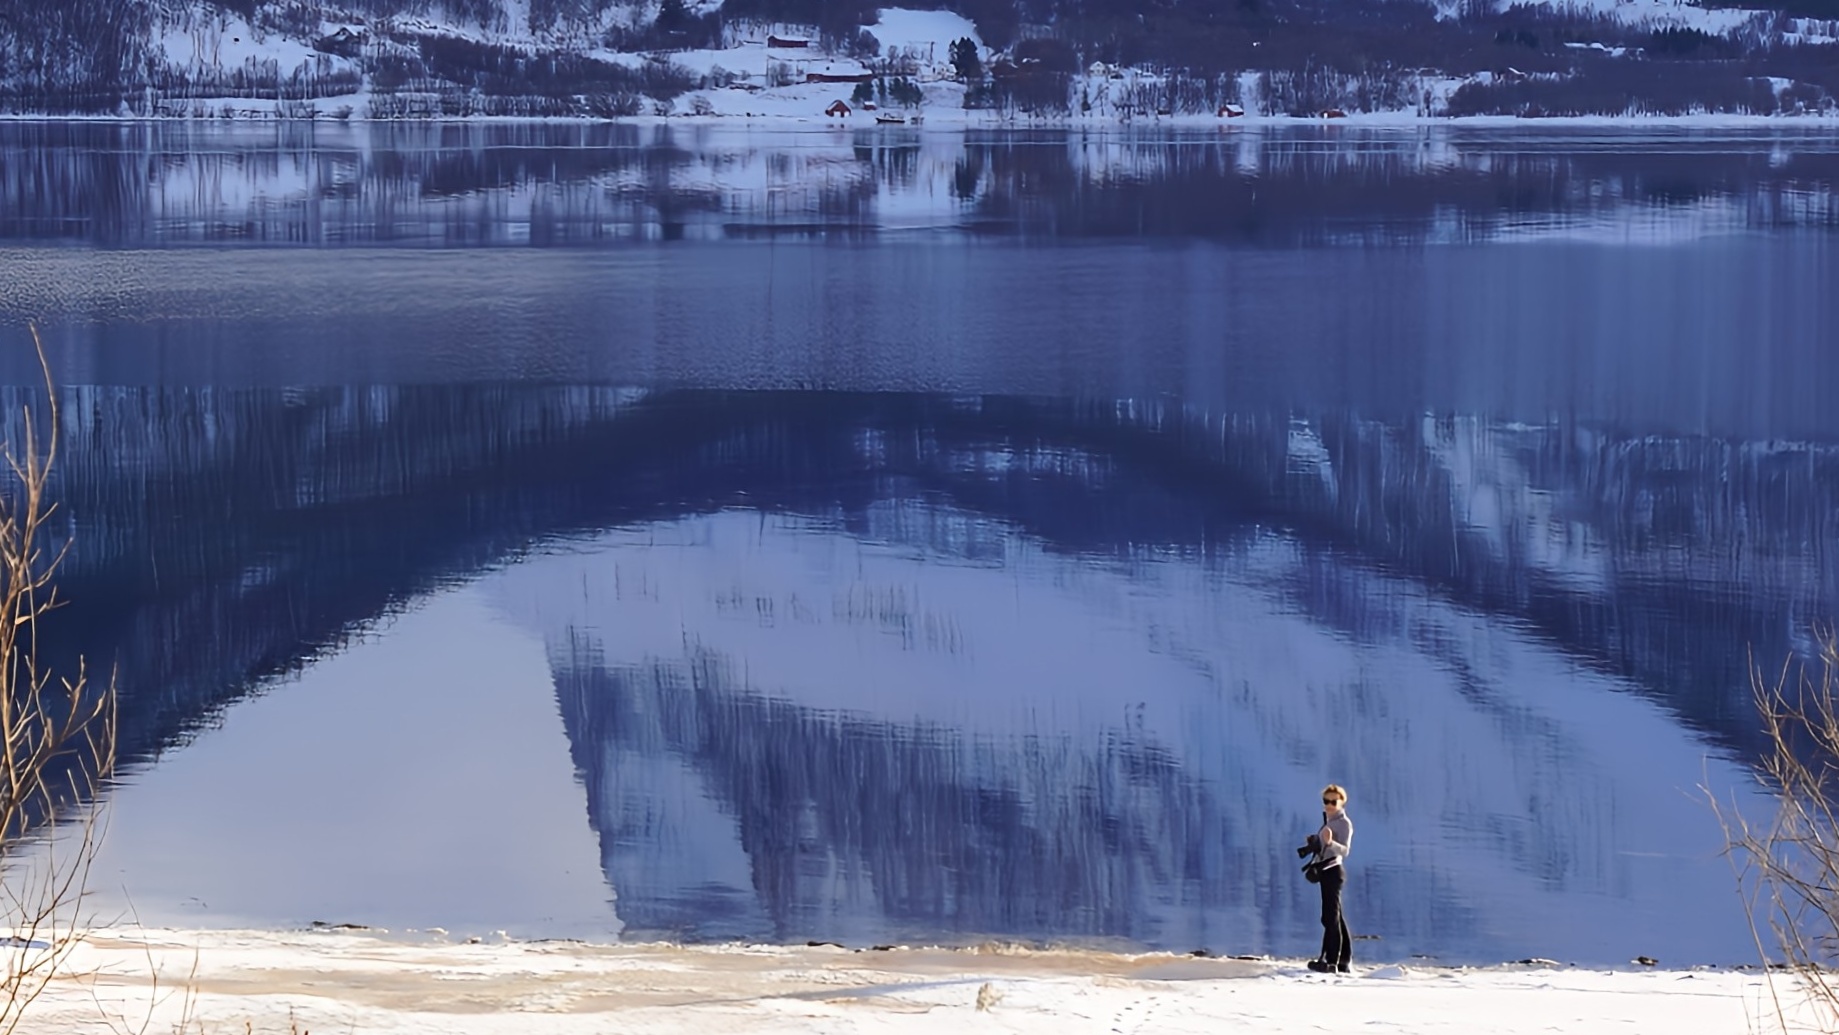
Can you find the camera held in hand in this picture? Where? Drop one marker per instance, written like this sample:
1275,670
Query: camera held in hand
1313,846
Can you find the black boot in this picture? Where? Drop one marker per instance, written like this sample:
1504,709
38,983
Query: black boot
1321,966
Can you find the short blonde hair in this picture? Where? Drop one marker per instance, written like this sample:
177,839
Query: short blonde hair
1337,790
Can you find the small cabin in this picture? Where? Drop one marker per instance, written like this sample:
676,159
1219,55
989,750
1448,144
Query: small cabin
1334,113
1231,111
837,108
789,44
870,106
346,42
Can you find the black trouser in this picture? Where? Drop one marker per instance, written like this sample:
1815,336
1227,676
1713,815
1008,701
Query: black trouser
1337,947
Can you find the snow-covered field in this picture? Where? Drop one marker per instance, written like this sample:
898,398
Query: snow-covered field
341,981
1679,14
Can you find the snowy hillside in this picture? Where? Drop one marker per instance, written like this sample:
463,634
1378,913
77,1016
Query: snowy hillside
976,61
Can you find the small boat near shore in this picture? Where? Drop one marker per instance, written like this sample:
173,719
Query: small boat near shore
890,119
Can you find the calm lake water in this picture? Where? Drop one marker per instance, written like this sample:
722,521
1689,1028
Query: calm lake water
878,536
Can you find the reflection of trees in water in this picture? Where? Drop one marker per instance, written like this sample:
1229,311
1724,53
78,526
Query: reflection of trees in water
895,163
1611,547
224,538
1317,186
919,826
487,184
456,184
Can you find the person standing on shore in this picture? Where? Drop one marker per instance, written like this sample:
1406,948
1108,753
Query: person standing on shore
1331,846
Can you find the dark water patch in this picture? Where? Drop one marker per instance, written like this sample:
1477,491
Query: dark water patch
1724,337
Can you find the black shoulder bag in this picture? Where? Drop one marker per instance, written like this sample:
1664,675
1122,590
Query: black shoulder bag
1312,870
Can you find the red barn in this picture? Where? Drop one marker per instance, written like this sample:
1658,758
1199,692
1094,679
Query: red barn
837,108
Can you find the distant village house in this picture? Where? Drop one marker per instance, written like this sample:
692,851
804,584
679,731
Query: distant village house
781,41
346,42
837,108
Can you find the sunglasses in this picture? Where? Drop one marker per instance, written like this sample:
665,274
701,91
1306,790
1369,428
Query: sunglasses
1331,801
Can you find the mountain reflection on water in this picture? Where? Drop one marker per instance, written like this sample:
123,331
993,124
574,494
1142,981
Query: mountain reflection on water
878,666
996,534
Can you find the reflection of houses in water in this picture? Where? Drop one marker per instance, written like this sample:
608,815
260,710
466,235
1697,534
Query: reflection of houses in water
511,184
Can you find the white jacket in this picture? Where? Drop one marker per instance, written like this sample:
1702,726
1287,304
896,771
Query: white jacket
1330,855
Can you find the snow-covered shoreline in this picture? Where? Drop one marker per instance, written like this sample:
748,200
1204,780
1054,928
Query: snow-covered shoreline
354,980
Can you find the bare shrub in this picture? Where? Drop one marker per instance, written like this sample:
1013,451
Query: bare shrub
1788,867
613,105
57,733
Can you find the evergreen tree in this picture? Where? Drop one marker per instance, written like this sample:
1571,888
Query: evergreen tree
964,58
906,92
672,16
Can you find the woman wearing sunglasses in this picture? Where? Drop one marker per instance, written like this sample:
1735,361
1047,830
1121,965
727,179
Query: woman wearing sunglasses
1331,844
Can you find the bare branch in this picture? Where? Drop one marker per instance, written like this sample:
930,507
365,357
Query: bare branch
57,734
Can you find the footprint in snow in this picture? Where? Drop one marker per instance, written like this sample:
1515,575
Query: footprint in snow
1135,1017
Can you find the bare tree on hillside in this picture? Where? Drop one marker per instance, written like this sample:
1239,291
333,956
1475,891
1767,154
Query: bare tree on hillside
57,732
